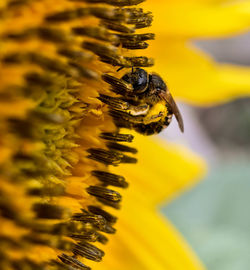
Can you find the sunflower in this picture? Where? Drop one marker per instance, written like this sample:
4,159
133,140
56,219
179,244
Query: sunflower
60,148
57,137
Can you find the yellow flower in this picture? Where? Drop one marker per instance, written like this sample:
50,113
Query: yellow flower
57,139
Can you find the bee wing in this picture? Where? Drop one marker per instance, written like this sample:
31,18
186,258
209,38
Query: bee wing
170,101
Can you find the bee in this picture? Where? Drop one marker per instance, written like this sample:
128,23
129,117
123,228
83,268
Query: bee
145,105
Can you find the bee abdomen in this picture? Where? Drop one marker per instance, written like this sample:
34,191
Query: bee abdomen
155,127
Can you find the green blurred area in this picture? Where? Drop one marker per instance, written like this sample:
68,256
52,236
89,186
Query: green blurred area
214,216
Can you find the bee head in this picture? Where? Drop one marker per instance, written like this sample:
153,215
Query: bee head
156,88
156,84
138,78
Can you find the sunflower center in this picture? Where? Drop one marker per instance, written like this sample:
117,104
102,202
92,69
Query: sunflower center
59,140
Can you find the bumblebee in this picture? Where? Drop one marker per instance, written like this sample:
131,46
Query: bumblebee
145,105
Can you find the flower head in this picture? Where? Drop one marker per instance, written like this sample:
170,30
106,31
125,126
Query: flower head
57,136
60,147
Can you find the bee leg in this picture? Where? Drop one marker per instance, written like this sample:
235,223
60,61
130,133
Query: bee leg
115,103
142,124
138,110
121,116
152,118
134,119
121,119
121,105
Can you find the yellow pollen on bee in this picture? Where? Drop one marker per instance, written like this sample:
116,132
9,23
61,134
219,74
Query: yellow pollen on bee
158,111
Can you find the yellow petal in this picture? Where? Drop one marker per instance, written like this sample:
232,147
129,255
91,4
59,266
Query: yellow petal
157,174
199,18
144,239
194,77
